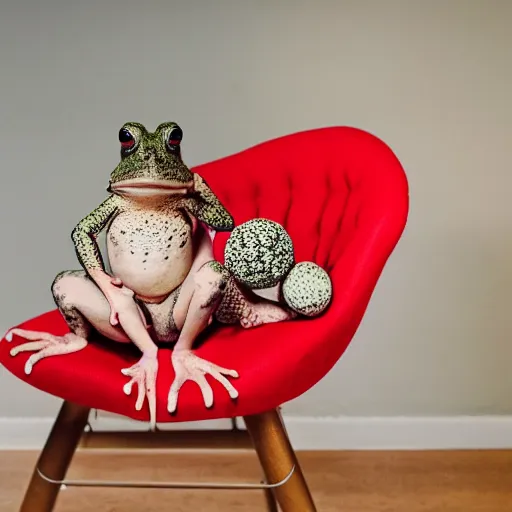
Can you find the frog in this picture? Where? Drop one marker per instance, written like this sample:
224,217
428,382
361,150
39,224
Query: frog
164,284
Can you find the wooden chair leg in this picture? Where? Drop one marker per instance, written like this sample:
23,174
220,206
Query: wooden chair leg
277,458
270,500
55,458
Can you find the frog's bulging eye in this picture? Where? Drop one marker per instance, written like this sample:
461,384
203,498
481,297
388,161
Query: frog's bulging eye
126,139
174,137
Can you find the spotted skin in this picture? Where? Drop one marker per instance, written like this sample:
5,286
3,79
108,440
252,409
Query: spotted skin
206,207
259,253
165,286
149,239
151,157
85,233
150,248
234,304
77,323
151,218
307,289
160,318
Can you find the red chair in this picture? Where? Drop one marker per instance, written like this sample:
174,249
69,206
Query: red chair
343,196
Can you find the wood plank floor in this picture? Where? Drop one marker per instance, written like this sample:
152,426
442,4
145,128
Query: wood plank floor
460,481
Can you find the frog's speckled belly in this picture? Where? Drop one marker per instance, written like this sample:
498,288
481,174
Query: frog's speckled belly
150,251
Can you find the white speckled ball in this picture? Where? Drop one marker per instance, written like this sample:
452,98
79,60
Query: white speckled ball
259,253
307,289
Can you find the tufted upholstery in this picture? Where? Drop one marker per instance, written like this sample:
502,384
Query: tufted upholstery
343,196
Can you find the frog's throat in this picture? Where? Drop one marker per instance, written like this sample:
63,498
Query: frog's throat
142,187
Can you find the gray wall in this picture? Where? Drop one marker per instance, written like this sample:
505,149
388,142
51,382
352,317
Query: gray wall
432,78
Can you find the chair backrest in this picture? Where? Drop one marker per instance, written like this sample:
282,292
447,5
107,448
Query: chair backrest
323,185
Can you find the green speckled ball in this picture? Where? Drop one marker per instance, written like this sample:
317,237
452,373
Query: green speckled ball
307,289
259,253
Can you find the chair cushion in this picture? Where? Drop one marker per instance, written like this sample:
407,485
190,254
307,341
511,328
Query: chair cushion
275,363
343,197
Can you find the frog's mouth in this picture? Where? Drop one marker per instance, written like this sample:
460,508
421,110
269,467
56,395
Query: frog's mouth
143,187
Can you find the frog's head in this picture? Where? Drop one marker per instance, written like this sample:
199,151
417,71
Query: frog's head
151,163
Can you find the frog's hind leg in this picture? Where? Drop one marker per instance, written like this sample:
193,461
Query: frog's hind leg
45,345
242,306
83,306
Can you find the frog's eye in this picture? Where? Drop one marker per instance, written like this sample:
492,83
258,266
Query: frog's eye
174,138
126,139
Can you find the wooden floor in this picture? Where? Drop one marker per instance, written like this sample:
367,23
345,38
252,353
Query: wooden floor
340,481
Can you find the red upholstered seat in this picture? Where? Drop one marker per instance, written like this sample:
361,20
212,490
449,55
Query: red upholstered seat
342,195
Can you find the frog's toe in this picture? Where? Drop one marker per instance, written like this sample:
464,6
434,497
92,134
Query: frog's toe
46,345
253,319
143,375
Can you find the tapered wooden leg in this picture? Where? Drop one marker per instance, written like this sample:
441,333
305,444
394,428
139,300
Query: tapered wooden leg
55,458
277,458
270,500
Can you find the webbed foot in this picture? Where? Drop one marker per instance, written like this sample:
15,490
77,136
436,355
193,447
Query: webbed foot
143,373
265,313
188,366
252,319
44,345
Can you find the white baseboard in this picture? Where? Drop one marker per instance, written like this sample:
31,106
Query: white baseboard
306,433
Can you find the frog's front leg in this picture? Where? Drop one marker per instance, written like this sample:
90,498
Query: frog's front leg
211,291
124,314
199,296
